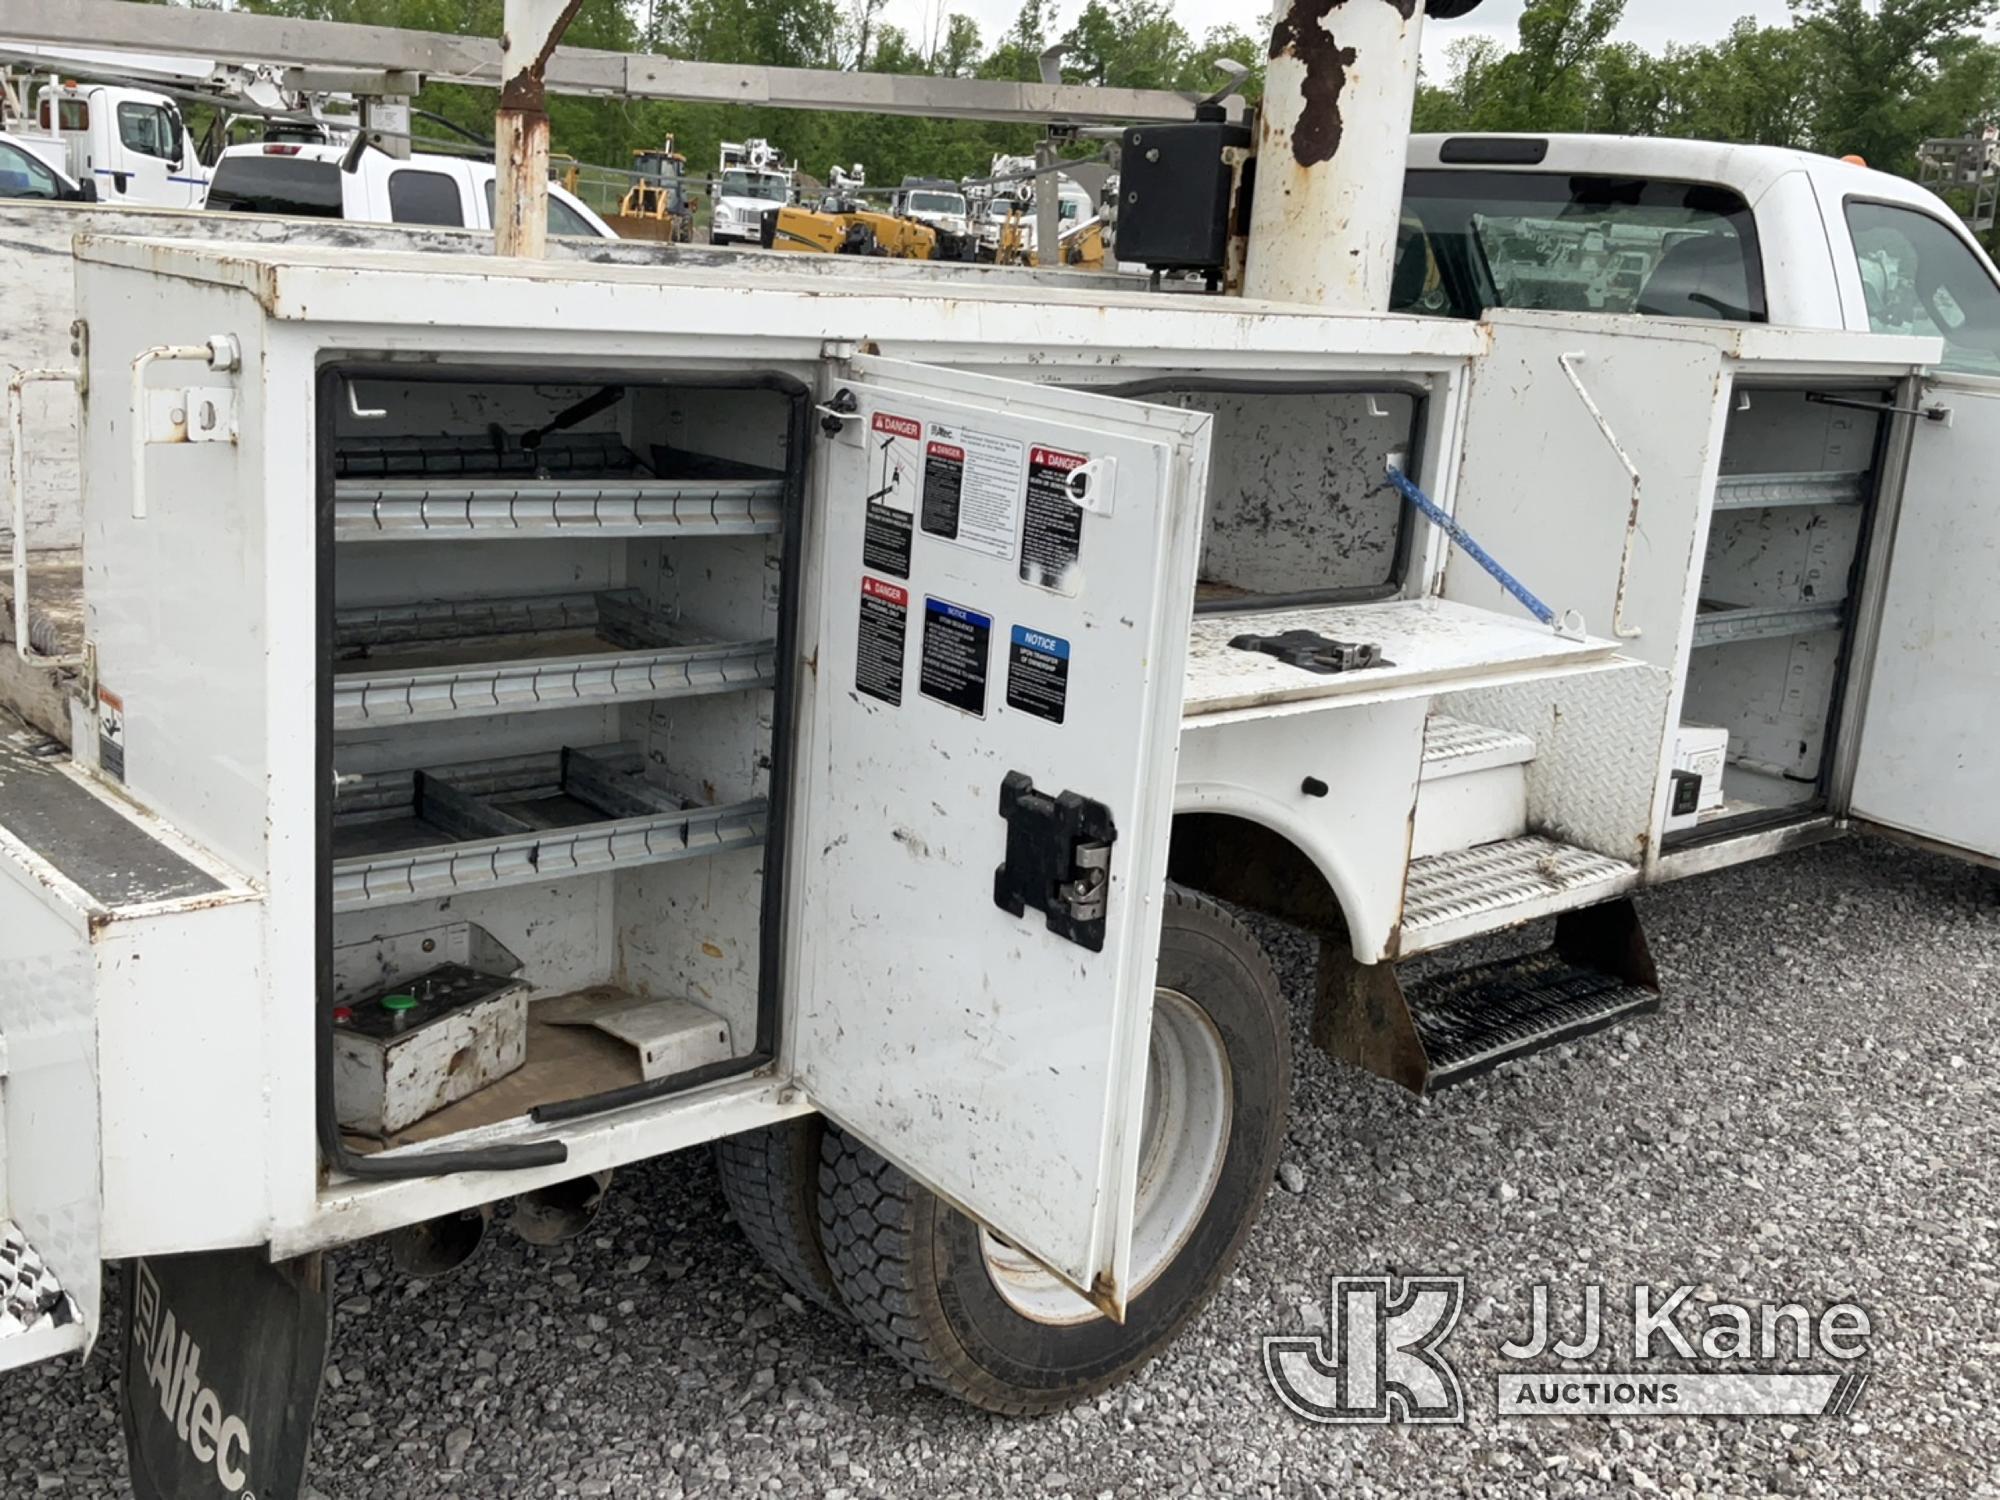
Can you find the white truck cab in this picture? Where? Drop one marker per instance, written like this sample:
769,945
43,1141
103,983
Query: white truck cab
308,180
1689,229
131,142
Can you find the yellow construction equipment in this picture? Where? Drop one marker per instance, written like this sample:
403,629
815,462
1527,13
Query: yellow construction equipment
1081,243
842,225
657,206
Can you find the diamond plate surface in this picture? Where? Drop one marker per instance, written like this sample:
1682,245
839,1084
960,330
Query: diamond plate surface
1599,741
31,1298
1490,878
1475,1018
1449,743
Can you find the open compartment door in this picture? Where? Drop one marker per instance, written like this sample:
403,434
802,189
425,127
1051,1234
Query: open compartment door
1923,766
1005,579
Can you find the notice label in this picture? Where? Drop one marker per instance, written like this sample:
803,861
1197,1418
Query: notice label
972,489
111,734
878,654
1038,673
885,538
956,641
1052,537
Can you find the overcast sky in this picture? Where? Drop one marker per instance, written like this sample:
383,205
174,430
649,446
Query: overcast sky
1681,21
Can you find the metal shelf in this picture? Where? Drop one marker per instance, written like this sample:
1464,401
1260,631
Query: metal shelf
433,510
1767,491
535,856
1722,627
532,652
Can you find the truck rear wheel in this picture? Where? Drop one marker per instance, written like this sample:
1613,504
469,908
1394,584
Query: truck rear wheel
969,1314
771,1179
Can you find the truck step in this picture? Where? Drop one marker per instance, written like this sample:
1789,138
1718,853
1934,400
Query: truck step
1478,1018
1474,789
1461,893
37,1317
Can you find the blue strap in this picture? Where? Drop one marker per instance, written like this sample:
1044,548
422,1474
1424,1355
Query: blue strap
1436,514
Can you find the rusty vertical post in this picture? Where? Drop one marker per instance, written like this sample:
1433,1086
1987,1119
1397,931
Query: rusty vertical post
1338,94
529,34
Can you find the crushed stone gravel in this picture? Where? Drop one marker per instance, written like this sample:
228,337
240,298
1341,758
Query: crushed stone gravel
1813,1117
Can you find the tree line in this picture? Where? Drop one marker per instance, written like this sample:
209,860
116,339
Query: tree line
1869,77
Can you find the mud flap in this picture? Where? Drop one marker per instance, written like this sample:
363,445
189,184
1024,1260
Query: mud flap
224,1354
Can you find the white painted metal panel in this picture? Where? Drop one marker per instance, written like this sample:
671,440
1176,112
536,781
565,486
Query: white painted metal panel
995,1061
48,1096
1924,763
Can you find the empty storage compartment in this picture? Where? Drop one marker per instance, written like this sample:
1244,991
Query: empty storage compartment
1297,511
553,667
1775,614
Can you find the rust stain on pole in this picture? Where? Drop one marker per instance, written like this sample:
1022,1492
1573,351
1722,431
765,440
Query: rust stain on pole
1302,32
521,132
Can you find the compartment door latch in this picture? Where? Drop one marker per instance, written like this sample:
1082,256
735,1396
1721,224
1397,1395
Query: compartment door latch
1058,859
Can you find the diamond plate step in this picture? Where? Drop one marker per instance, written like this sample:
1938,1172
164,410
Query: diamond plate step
1478,1018
1468,891
1458,747
33,1305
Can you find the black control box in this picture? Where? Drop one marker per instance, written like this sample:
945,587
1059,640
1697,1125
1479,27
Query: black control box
1173,194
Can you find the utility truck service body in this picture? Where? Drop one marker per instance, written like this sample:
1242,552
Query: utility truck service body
525,717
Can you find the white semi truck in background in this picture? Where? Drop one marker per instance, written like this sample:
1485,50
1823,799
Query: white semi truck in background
517,719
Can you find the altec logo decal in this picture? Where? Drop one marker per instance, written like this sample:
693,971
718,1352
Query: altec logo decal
173,1370
907,427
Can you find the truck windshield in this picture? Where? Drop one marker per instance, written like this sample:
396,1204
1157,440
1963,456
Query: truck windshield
259,184
936,203
753,185
1477,239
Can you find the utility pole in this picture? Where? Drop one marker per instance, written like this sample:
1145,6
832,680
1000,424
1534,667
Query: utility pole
530,31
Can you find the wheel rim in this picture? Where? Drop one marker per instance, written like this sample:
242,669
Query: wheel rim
1183,1141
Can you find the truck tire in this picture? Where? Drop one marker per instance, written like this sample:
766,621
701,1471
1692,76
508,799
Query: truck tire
771,1179
1450,10
968,1314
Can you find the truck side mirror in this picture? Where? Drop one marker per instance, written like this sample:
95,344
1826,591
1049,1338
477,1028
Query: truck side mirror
86,190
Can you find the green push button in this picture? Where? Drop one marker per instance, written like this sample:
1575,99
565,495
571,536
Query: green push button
399,1002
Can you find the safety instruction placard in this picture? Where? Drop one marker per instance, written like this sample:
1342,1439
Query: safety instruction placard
957,644
110,734
1038,673
878,654
892,499
1052,535
972,489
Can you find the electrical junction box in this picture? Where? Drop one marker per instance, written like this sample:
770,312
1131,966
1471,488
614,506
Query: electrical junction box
1174,192
450,1021
1700,751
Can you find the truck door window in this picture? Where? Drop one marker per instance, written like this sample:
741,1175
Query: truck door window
21,176
149,130
1919,277
417,197
1477,239
562,218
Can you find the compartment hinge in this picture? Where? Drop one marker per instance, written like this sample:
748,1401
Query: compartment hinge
1058,859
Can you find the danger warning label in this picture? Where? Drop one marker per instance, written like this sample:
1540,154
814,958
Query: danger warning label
1038,673
955,651
878,654
892,500
1052,536
972,489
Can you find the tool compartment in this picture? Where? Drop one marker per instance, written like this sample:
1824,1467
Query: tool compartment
549,687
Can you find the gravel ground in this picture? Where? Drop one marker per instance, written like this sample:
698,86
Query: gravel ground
1813,1117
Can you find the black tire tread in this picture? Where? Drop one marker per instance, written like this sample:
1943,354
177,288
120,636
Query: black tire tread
770,1178
874,1222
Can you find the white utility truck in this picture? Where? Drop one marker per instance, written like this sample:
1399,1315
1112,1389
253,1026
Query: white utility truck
526,717
132,143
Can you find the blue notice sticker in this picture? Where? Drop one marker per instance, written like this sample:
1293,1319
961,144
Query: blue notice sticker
1038,673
